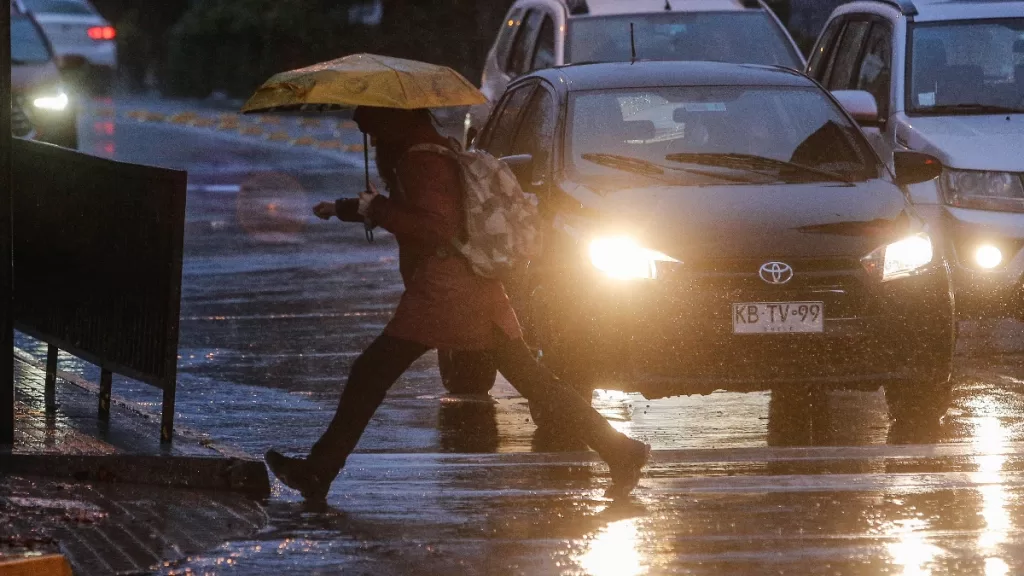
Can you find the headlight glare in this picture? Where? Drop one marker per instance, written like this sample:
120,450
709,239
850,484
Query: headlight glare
57,103
900,259
622,258
1002,191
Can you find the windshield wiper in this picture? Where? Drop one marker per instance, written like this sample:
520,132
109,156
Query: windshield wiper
752,163
648,168
969,109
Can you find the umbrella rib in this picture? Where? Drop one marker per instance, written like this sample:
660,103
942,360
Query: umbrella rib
401,85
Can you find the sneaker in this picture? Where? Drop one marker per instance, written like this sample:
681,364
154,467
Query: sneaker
295,473
626,472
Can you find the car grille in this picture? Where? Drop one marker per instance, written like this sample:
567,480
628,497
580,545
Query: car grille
838,282
21,125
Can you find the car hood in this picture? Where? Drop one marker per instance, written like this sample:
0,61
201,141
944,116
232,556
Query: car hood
989,142
29,76
740,222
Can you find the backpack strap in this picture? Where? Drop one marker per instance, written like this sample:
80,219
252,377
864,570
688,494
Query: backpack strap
435,148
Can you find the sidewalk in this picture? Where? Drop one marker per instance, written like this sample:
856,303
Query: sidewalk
107,495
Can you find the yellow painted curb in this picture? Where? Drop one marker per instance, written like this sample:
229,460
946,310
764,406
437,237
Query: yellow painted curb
49,565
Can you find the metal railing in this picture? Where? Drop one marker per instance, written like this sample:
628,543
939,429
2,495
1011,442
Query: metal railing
97,265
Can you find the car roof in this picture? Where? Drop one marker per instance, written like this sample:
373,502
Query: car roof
936,10
616,75
584,8
940,10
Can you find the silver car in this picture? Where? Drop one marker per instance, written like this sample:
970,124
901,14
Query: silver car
538,34
75,28
945,78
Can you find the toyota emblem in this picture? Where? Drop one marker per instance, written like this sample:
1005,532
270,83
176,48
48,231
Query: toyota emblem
776,272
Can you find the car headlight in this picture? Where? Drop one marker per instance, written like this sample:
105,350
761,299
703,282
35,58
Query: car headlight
900,259
57,102
621,257
983,190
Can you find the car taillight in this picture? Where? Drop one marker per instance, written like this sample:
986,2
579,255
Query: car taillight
102,33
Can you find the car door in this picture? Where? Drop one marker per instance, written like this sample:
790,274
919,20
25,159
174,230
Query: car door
535,136
525,44
500,130
544,49
862,60
874,75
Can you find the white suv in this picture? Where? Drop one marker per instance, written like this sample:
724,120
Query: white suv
945,77
540,34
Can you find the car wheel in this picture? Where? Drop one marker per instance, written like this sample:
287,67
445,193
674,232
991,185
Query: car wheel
918,403
798,416
470,372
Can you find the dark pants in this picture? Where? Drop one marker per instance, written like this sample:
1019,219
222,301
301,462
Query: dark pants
387,358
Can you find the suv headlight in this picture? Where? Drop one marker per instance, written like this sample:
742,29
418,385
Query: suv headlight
56,102
621,257
900,259
1002,191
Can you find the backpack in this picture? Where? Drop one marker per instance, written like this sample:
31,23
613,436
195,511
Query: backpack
502,223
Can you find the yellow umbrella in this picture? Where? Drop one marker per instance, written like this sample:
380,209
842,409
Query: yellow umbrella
364,80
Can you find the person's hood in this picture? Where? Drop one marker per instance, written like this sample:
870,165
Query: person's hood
989,142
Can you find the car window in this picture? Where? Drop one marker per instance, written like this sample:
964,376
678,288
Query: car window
497,136
966,67
711,135
875,70
746,37
822,55
505,36
536,132
847,55
59,7
544,54
522,48
27,45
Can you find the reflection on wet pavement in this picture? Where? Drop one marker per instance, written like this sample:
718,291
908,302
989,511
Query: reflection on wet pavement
739,483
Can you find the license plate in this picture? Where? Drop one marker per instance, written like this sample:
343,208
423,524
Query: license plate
778,317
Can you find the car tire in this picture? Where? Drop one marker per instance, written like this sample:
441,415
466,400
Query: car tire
469,372
918,403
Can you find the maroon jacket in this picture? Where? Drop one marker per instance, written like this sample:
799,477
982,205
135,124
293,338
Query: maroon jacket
445,305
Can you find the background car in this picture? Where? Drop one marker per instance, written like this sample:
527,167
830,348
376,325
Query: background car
719,226
946,78
543,33
41,107
75,28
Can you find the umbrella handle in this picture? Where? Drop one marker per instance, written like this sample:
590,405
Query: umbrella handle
367,224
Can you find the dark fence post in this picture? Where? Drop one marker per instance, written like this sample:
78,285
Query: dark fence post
106,383
6,239
51,378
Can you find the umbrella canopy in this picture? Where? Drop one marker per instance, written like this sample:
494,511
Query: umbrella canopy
364,80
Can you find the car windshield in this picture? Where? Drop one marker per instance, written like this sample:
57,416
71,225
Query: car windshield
27,45
59,7
712,135
969,67
750,37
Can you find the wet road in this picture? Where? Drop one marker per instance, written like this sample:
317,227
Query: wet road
277,305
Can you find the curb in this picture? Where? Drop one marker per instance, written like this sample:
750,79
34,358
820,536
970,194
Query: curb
247,477
49,565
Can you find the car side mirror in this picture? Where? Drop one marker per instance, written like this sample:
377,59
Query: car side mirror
915,167
861,105
522,166
71,62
